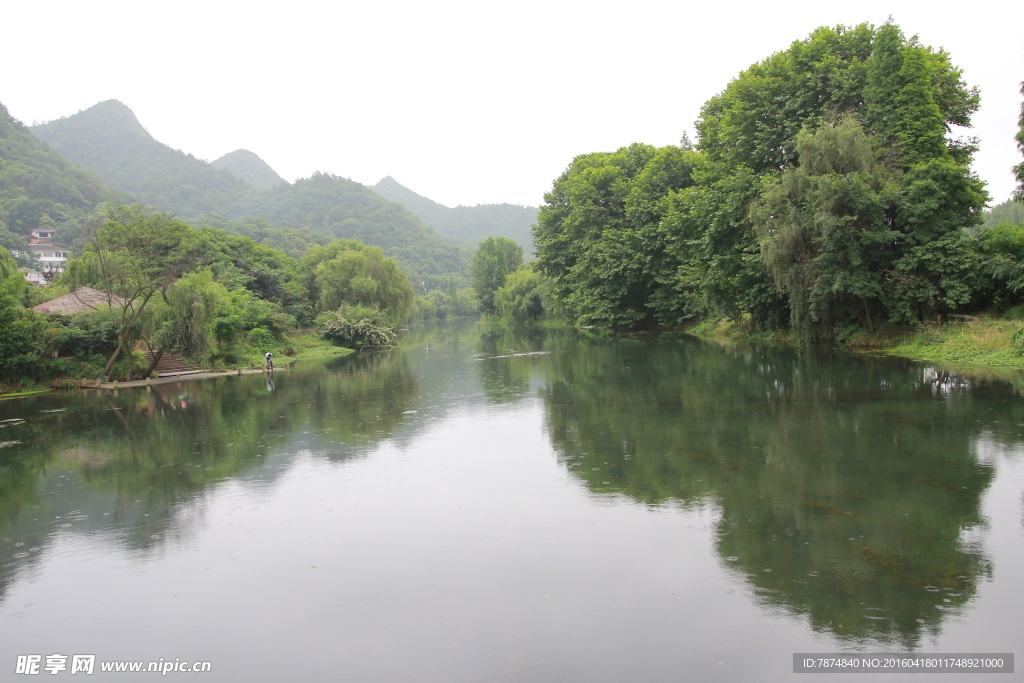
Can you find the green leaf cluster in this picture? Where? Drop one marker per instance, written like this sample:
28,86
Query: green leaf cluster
350,272
826,191
358,327
495,259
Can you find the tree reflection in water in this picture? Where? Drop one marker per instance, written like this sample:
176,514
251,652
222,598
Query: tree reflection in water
847,487
130,464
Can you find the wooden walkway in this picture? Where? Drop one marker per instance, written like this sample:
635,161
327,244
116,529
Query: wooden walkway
183,377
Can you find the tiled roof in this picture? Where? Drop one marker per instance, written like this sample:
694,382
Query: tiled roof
82,299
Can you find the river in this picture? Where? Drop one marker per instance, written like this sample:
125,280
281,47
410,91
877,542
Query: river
512,505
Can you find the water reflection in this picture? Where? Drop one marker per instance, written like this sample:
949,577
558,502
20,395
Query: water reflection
125,464
846,490
843,486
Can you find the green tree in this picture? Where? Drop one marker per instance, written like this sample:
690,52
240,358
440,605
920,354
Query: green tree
26,341
187,321
823,227
442,303
135,255
350,272
599,236
495,258
905,96
522,296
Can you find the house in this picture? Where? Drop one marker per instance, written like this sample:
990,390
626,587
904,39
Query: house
81,300
52,256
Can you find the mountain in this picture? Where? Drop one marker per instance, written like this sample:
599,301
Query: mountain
38,187
342,208
250,168
467,223
108,140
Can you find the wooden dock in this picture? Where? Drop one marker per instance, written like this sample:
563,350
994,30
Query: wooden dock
184,376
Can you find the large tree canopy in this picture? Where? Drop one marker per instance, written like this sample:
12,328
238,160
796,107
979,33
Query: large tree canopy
828,189
350,272
134,255
597,234
908,94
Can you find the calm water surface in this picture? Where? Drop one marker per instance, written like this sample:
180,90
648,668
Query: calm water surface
514,506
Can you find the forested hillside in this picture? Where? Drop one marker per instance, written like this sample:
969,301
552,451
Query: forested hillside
251,168
471,224
1007,212
39,187
344,209
108,140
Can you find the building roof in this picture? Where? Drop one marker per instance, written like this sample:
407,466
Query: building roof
81,300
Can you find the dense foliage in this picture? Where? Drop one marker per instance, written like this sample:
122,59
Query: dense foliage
212,297
358,327
598,234
495,259
524,296
349,272
826,192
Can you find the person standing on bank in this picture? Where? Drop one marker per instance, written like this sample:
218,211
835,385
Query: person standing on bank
269,357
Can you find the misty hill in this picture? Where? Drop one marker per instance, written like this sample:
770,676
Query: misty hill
1007,212
342,208
108,140
468,223
39,187
249,167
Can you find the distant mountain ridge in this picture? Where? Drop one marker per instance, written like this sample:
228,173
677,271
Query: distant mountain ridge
251,168
468,223
39,188
108,140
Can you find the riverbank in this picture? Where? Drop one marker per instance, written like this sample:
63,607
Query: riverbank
300,347
981,343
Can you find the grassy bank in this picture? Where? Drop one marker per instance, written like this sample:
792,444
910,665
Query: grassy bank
983,343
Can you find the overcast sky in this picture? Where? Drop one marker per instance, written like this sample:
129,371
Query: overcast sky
463,102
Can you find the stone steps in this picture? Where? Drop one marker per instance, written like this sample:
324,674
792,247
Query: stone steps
172,364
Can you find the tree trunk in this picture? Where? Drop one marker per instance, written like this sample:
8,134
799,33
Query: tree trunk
156,361
867,315
113,356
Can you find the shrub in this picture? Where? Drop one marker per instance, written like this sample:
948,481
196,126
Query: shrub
357,327
260,338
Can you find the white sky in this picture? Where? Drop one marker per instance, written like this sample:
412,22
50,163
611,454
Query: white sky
463,102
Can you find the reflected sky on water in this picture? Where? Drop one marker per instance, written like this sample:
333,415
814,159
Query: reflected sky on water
485,504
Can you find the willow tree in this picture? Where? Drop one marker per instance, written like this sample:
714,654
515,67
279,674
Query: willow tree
135,255
350,272
186,323
495,259
823,226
